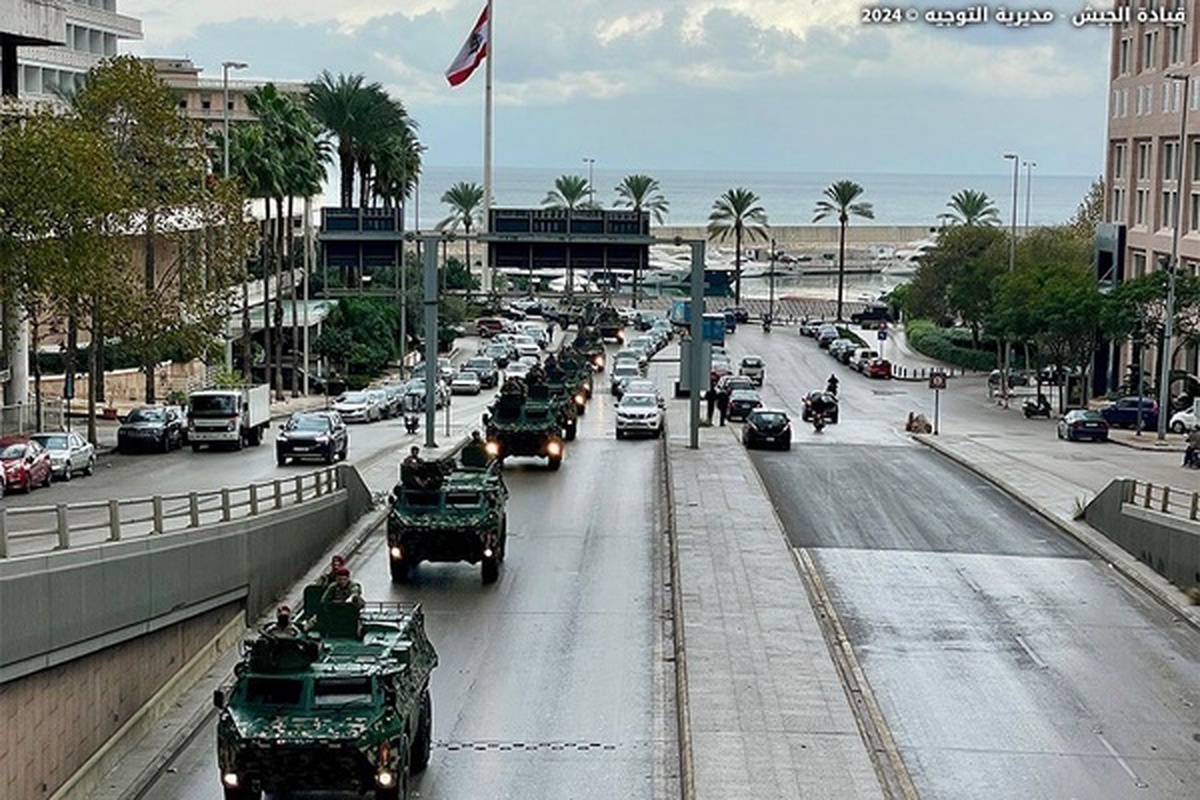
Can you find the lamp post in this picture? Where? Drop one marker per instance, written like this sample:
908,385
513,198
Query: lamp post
1012,264
225,67
771,285
591,162
1172,266
1029,165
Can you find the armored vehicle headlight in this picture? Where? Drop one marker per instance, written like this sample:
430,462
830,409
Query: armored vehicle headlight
580,399
230,779
554,448
487,552
385,778
396,552
492,449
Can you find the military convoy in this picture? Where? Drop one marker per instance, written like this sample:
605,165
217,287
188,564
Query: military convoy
342,706
447,512
524,421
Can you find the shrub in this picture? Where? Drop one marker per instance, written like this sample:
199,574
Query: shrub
948,345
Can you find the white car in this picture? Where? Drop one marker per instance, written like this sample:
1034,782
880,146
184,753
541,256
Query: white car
639,413
644,386
357,407
753,368
69,453
517,369
623,371
1183,421
526,346
860,357
465,382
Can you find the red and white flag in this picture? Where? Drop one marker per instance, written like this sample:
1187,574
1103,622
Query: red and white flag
474,50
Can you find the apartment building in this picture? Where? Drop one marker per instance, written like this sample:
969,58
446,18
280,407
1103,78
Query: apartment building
203,98
93,30
1152,172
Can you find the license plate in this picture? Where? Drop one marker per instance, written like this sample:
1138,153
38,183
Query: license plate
769,439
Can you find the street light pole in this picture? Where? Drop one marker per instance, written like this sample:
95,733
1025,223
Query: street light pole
1012,263
591,162
225,67
1164,379
771,284
1029,165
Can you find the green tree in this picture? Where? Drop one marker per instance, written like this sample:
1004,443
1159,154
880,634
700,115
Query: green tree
737,213
344,107
841,201
466,209
570,192
969,207
641,193
180,302
1090,211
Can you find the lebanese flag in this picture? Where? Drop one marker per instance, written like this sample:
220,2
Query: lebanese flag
473,51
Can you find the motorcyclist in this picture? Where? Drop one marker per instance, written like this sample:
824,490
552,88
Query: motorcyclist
832,385
1191,457
766,323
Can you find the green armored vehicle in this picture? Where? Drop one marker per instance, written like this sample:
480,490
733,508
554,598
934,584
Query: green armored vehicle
343,706
609,324
441,511
524,422
590,346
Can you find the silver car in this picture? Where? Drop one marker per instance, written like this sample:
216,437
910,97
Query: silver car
69,453
357,407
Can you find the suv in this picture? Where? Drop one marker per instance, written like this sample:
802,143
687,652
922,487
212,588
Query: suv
312,434
485,368
1123,412
487,327
872,317
158,428
753,368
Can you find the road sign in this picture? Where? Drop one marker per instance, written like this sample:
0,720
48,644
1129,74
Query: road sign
881,334
937,380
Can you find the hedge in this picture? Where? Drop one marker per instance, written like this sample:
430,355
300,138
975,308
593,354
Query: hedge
951,345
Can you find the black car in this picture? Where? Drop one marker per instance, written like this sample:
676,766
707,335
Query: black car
740,315
826,400
312,434
741,403
767,427
155,428
485,368
1082,423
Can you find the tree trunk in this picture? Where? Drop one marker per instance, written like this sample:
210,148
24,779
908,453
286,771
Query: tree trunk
346,166
737,265
35,334
267,256
91,384
277,308
291,262
841,266
96,379
148,360
71,358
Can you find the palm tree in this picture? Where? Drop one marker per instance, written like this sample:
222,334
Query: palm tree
641,193
842,201
342,107
737,212
383,120
570,192
465,201
969,207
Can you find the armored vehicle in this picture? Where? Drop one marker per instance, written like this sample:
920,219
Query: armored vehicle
523,422
566,395
441,511
587,343
609,324
343,706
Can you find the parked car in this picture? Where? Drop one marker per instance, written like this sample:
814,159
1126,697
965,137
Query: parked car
500,353
1083,423
312,434
414,394
69,453
358,407
26,464
828,399
767,427
859,357
485,368
728,383
878,368
826,334
465,382
1123,412
156,428
841,345
810,327
383,399
873,316
741,403
622,371
753,368
639,413
1183,421
740,314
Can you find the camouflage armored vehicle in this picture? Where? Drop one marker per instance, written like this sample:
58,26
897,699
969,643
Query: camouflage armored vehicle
609,324
587,343
523,422
442,511
566,396
343,706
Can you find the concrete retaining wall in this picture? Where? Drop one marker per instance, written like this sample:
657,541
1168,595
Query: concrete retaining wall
1167,543
88,636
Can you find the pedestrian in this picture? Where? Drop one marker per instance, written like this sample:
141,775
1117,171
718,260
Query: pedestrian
722,404
343,590
282,627
710,397
1191,457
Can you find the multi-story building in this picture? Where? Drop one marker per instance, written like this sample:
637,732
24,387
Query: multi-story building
93,30
1152,173
203,98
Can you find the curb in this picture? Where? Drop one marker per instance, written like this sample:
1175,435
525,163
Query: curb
1159,588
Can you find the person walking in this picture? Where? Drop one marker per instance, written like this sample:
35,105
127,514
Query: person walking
722,404
710,397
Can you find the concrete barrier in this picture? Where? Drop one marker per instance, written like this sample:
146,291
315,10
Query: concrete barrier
1169,543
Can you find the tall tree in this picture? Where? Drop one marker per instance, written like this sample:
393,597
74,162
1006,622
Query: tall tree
641,193
570,192
179,301
841,201
737,213
466,206
342,106
1090,211
969,207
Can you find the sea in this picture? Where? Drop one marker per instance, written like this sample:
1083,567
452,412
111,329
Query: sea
788,198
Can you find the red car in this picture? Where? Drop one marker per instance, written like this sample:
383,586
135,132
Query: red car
878,368
26,464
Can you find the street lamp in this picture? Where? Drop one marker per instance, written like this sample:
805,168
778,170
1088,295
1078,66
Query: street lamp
1012,264
591,162
225,67
1029,165
771,284
1172,266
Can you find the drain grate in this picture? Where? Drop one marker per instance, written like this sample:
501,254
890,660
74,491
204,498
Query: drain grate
527,747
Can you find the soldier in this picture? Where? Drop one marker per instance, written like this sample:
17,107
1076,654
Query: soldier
343,590
282,627
335,563
475,452
413,459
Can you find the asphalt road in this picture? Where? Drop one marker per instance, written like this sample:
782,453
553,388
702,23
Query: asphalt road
553,682
1008,661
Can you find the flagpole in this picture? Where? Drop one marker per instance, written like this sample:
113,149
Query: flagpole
487,149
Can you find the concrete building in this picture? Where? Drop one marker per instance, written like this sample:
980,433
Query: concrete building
202,98
91,31
1154,89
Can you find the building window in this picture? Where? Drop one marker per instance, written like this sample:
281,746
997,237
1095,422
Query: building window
206,102
1149,50
1194,212
1118,161
1170,161
1175,44
1167,209
1139,265
1139,208
1143,165
1123,57
1118,206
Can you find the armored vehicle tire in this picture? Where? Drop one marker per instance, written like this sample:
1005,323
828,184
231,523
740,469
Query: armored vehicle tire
570,431
418,755
555,462
195,448
241,794
490,568
401,569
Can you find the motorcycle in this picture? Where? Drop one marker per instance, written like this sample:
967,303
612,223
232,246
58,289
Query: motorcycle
412,421
766,323
831,387
818,421
1037,408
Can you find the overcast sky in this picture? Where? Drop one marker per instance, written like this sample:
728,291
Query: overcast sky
645,85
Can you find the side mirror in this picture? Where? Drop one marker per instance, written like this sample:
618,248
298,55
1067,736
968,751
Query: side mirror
219,698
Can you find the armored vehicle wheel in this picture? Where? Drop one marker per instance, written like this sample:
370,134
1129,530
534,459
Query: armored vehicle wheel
401,569
195,448
555,462
418,756
491,569
241,794
400,790
570,432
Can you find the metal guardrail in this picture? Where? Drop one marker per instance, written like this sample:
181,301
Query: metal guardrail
22,418
67,525
1165,499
